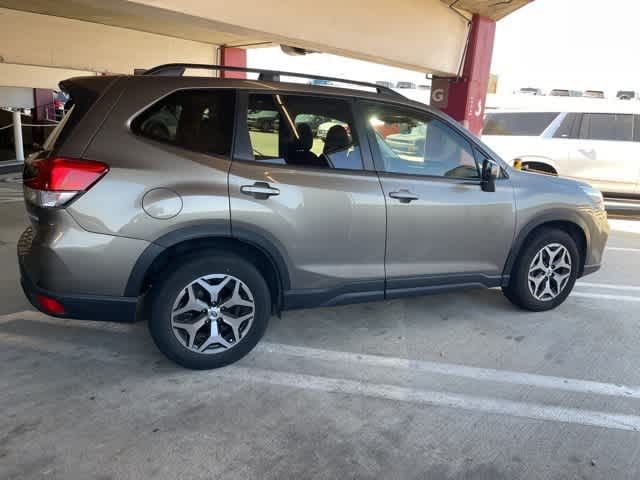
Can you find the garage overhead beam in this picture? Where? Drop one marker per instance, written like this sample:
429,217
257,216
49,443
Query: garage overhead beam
421,35
493,9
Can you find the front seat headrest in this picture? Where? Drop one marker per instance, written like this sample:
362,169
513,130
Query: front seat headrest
305,142
337,139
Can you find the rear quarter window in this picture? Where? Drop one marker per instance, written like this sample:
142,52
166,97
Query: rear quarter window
529,124
607,126
194,119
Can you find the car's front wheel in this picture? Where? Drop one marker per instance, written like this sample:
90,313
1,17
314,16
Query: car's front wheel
209,311
545,272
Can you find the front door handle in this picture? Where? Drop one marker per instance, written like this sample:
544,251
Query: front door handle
259,190
404,195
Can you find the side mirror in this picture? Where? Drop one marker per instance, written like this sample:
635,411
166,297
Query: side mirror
489,175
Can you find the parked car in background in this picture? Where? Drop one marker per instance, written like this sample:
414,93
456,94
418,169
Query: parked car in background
385,83
597,142
411,142
314,121
321,82
59,101
530,91
593,94
405,85
561,92
324,128
627,95
263,120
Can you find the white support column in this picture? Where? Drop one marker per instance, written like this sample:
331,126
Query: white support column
17,135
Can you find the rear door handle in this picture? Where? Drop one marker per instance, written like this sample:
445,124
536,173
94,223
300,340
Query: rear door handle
404,195
259,190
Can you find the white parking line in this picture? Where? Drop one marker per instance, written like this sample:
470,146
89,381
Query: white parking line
608,286
438,399
456,370
603,296
623,249
11,199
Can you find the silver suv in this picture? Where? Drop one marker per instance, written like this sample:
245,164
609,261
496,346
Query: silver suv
158,197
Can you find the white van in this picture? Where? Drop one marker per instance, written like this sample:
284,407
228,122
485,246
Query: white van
594,141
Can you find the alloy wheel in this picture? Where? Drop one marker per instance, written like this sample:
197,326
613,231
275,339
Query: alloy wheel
549,272
213,313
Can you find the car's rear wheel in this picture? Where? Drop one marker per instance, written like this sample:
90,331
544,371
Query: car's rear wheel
545,271
210,311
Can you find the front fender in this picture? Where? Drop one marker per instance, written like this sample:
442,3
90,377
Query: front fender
555,215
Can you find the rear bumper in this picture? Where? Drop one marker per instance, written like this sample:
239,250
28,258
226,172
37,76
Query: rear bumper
42,270
82,307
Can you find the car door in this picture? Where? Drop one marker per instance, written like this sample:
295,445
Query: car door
442,229
317,202
605,154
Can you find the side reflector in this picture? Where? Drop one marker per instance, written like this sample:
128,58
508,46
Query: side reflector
50,305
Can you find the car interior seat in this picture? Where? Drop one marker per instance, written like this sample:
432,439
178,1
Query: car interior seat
299,149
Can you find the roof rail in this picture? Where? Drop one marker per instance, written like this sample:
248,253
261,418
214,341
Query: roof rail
178,69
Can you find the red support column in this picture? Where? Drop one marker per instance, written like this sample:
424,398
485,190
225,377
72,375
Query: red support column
464,98
233,57
43,111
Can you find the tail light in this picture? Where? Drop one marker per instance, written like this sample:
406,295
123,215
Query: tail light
55,181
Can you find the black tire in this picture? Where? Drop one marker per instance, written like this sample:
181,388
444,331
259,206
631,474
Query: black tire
518,291
176,277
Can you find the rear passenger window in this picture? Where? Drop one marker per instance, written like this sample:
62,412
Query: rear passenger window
607,126
529,124
303,131
199,120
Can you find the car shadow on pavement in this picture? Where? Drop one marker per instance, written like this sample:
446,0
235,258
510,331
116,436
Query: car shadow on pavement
383,326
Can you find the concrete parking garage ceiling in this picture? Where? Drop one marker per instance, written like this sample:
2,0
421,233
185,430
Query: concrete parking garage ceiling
424,35
138,17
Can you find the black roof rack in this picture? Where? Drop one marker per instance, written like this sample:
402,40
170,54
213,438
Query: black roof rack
178,69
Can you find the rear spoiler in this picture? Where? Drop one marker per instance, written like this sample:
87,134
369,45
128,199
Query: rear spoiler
87,89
